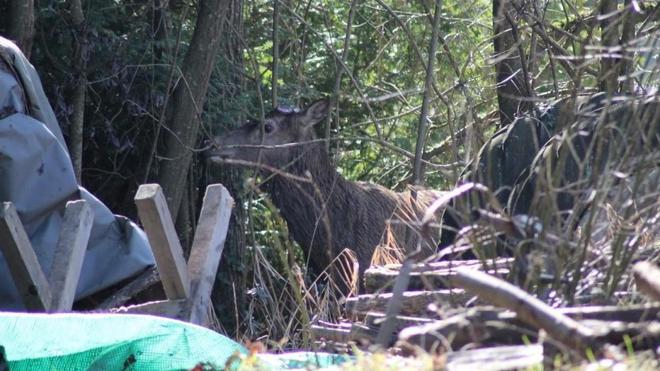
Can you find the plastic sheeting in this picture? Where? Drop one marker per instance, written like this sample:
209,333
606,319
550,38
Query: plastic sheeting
131,342
37,176
109,342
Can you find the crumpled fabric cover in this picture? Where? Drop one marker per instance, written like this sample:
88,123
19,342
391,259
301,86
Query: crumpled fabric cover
36,175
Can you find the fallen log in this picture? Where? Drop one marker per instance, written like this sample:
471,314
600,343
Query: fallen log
475,326
364,333
640,335
330,333
487,325
632,313
344,333
529,309
376,318
412,302
455,264
379,279
393,307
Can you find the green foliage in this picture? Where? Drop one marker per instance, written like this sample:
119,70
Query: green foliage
127,72
131,70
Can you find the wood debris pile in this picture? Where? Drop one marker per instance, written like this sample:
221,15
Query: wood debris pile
472,307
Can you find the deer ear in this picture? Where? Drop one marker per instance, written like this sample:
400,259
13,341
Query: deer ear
316,112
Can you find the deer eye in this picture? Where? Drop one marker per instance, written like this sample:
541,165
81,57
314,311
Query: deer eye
268,128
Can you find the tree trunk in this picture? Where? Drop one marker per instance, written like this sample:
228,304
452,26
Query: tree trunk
230,286
513,87
338,77
627,35
418,170
20,24
229,293
160,26
188,100
276,51
609,71
185,225
80,86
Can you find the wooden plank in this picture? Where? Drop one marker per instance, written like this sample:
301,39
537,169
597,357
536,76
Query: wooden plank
165,245
69,254
207,249
174,309
140,283
23,264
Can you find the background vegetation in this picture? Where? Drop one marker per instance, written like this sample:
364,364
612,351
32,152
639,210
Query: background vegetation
129,78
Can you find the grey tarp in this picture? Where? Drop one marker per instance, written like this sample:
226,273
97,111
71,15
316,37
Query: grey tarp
37,176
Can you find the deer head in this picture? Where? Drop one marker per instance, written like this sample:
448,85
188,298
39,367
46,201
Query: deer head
278,140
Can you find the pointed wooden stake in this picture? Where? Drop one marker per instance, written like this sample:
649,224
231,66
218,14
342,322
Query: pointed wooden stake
22,261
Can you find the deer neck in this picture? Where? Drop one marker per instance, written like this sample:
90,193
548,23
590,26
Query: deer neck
310,170
307,193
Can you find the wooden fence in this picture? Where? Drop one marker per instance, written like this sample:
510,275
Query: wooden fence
187,285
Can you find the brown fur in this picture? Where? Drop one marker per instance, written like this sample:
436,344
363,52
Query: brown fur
327,213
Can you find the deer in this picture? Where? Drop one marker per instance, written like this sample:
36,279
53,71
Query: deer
324,212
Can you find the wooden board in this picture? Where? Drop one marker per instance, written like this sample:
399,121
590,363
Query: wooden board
69,254
138,284
174,309
165,245
207,249
23,264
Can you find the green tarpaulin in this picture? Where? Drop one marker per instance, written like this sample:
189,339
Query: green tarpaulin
126,342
